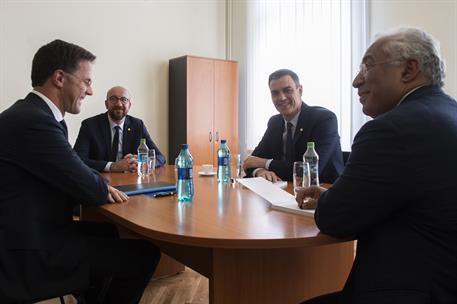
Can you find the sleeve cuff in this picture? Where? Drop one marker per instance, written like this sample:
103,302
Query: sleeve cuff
107,167
267,164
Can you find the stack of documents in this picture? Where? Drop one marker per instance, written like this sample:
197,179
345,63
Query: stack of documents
279,199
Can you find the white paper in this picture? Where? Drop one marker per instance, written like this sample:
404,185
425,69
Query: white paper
279,199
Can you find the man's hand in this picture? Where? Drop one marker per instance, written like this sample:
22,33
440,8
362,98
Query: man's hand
254,162
116,196
307,197
268,175
128,163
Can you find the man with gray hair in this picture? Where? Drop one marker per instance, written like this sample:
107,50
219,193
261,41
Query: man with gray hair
398,192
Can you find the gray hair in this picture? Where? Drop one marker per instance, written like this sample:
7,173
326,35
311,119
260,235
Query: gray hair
412,43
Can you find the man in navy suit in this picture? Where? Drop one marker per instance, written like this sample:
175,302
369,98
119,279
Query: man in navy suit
270,159
398,192
109,141
43,252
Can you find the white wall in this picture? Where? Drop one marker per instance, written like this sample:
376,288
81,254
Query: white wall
437,17
132,40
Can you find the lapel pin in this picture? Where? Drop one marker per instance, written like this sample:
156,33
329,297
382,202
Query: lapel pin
128,129
301,129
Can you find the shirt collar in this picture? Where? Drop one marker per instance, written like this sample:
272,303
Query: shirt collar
409,93
112,124
294,120
54,109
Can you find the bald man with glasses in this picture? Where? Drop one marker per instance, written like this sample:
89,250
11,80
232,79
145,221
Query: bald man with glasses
108,142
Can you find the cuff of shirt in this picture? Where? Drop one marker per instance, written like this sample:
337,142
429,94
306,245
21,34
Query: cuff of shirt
267,164
255,171
108,167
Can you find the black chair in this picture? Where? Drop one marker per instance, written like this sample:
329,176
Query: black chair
345,156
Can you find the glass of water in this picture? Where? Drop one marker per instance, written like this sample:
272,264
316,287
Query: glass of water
151,161
237,164
300,175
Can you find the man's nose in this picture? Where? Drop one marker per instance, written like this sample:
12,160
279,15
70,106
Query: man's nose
358,80
89,91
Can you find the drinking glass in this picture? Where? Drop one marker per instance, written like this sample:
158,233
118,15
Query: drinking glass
300,175
151,161
237,164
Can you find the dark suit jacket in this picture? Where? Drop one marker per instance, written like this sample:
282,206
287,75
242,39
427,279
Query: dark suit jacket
398,196
41,179
93,144
314,124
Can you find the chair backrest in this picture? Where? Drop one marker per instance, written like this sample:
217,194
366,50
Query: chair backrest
345,156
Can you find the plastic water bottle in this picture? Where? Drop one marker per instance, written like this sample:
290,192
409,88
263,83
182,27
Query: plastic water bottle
223,163
312,159
184,184
143,153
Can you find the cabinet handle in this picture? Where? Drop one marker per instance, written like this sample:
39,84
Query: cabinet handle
210,136
217,136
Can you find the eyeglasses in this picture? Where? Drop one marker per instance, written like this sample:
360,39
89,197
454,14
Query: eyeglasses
87,82
365,67
114,99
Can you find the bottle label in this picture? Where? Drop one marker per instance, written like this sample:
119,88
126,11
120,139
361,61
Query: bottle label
313,170
223,161
184,173
142,157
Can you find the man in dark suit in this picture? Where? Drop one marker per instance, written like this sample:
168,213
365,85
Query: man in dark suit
271,158
398,192
43,252
109,141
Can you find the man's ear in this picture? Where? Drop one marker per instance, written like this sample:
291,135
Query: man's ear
300,89
58,78
411,71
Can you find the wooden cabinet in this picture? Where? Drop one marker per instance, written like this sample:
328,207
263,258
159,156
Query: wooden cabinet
203,107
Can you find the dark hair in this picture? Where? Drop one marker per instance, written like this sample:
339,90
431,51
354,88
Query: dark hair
283,72
56,55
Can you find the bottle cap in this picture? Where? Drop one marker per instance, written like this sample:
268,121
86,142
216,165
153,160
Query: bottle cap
223,141
143,141
310,144
184,146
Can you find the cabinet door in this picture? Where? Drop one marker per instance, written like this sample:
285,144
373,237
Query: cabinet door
226,104
200,95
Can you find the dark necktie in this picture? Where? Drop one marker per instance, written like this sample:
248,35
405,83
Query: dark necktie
64,125
115,147
289,143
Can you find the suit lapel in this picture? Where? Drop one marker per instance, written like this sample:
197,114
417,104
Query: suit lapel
127,138
301,125
277,138
105,129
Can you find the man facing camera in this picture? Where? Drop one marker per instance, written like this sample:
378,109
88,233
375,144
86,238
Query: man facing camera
109,141
284,141
398,192
43,252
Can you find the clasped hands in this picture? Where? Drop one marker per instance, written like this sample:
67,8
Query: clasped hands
129,163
